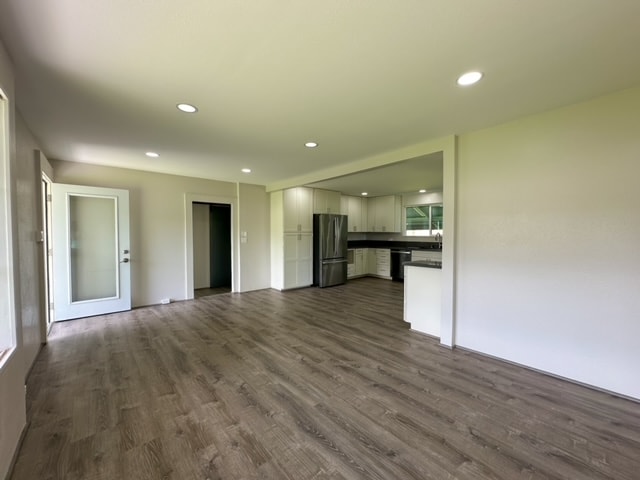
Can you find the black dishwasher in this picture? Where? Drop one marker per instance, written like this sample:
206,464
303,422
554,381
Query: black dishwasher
399,257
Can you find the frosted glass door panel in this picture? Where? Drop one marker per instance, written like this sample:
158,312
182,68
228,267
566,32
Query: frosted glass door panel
93,248
92,258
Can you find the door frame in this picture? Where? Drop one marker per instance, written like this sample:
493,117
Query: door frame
189,200
46,238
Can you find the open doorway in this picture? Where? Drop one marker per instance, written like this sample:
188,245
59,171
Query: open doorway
212,258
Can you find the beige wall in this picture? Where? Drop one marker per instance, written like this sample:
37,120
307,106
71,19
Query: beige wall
28,196
548,228
255,262
158,231
24,172
12,395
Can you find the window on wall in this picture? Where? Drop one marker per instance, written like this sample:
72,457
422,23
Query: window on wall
423,220
7,321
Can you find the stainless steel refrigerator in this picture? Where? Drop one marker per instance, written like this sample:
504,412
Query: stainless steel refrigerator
329,249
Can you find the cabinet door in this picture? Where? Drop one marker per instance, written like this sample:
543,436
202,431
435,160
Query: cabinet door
333,202
364,210
290,259
319,201
353,211
384,213
305,260
290,210
388,212
383,262
305,208
326,201
372,267
298,260
298,213
372,225
359,261
344,205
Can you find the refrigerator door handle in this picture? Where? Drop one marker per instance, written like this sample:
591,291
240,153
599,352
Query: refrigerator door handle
334,260
336,236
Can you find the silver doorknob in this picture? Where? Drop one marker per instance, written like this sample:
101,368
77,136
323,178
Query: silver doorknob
124,260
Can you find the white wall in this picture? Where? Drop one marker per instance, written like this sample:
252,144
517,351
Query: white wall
158,231
12,395
23,173
29,209
548,262
201,246
255,264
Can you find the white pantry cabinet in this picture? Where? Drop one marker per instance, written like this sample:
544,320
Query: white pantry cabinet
291,238
298,260
298,209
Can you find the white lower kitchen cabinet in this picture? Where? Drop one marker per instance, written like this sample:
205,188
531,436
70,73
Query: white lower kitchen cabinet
371,266
298,260
423,299
360,262
383,262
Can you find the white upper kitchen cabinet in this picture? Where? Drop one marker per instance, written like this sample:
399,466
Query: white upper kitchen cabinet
356,209
326,201
384,214
344,204
298,209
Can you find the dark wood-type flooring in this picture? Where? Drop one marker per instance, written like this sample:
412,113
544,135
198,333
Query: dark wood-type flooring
307,384
206,292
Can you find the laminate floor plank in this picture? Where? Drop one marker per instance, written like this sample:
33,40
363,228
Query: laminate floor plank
310,384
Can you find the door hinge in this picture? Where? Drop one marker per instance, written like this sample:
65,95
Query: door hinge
51,306
49,197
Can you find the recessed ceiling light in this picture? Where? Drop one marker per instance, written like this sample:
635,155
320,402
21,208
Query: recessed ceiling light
186,108
364,194
469,78
422,190
311,144
246,170
152,154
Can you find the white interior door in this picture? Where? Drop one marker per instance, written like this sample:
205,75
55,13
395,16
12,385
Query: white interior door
92,272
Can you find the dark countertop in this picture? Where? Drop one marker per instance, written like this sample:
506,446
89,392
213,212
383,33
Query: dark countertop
425,264
394,244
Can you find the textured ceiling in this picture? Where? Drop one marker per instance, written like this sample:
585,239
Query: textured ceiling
98,81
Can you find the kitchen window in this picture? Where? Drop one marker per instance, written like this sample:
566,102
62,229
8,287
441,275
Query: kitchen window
423,220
